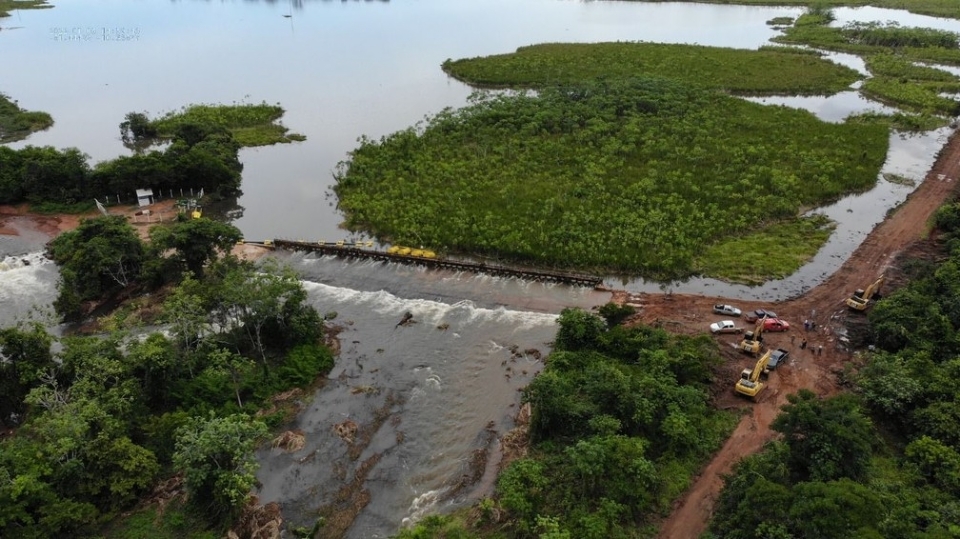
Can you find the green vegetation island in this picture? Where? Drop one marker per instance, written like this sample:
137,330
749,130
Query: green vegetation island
18,124
639,159
614,173
6,6
201,153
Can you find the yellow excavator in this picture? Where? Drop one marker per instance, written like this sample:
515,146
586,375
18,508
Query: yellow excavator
752,340
749,383
862,297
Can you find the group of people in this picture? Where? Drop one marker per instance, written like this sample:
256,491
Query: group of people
818,350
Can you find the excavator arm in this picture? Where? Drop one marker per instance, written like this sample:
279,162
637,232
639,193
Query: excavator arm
752,341
861,298
749,383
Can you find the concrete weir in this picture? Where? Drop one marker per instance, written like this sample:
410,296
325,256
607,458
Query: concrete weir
352,251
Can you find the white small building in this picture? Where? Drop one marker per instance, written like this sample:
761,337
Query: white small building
145,197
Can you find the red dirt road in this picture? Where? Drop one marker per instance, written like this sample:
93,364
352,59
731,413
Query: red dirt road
824,305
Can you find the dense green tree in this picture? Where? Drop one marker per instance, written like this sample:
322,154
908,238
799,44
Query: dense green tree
102,256
125,174
829,439
186,310
137,130
910,319
578,329
835,510
215,456
48,174
25,358
614,313
937,462
522,489
11,182
266,305
195,242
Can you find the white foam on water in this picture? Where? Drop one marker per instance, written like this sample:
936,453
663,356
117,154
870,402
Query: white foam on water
421,505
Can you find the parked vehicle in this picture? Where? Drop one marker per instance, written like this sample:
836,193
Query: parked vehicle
775,324
862,297
778,357
758,314
752,341
749,384
728,310
725,326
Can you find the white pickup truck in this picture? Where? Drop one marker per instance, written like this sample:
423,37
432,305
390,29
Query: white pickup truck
728,310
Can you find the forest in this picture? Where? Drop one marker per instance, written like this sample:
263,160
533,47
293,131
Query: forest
101,419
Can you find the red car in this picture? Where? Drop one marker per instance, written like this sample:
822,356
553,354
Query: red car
775,324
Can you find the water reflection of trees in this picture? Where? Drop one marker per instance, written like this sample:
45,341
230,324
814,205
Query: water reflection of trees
226,209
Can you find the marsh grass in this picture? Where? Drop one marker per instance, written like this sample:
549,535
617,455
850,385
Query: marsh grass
18,124
902,121
936,8
772,252
250,124
891,53
6,6
766,71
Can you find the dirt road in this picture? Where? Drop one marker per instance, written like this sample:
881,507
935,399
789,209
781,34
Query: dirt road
807,369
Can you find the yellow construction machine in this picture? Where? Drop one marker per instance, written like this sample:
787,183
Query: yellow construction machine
752,340
749,383
862,297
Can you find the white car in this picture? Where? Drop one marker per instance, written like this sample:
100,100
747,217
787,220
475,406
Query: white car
728,310
725,326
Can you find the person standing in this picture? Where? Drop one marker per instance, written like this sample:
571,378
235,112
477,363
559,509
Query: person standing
820,350
803,344
793,339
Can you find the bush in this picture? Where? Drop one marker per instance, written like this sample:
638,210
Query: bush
304,364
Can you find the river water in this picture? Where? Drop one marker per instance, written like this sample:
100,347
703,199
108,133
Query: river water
431,394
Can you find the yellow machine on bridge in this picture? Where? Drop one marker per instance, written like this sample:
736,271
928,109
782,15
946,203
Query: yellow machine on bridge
861,299
749,383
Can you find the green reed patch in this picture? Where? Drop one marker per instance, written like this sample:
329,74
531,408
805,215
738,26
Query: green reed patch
250,124
6,6
770,70
18,124
918,44
772,252
936,8
637,176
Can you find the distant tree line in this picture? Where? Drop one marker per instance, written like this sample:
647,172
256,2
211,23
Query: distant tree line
200,156
100,419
